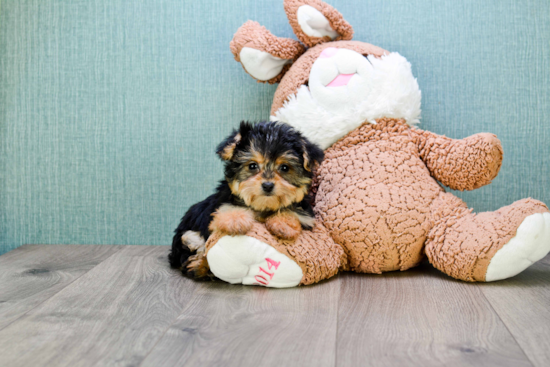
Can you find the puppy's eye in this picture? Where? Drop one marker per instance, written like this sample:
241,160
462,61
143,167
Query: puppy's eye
253,166
284,168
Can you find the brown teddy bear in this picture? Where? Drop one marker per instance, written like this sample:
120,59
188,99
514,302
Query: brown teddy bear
378,204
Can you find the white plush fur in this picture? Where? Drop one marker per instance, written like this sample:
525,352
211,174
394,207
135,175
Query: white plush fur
381,87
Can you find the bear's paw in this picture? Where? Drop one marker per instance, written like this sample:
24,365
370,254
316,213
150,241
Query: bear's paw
249,261
530,244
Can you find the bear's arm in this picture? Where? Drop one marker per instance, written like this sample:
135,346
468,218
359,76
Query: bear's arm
460,164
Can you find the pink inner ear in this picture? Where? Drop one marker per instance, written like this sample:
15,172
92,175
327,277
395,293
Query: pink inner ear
340,80
329,52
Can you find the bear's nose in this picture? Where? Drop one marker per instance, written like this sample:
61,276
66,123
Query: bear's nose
268,186
329,52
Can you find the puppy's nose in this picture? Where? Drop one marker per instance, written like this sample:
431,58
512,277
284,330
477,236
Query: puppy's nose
268,186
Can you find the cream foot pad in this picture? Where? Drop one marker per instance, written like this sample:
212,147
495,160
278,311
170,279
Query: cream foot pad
530,244
246,260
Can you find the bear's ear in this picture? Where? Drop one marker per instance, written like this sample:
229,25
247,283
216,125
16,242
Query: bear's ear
314,22
264,56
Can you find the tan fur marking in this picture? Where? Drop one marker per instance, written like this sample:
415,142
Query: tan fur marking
284,193
198,265
227,152
306,162
257,156
234,187
286,158
308,167
285,225
232,220
306,220
252,155
193,240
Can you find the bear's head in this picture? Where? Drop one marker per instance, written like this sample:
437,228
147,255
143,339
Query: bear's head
328,84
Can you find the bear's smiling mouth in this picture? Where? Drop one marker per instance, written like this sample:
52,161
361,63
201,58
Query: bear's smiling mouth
340,80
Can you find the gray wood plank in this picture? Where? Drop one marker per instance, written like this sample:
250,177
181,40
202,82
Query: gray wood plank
252,326
31,274
112,315
546,260
420,318
523,303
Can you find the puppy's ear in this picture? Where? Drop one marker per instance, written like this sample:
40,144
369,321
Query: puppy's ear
313,155
264,56
314,22
226,148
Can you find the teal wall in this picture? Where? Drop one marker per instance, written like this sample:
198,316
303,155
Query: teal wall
110,110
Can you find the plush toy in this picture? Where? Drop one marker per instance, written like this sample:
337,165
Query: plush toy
378,204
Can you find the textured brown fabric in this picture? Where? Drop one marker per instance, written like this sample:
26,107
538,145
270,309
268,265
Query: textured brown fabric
461,243
336,20
314,251
298,75
377,196
464,164
252,34
374,195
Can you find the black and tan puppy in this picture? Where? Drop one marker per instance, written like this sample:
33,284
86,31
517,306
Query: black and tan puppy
268,173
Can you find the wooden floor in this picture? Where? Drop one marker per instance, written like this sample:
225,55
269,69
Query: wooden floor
122,305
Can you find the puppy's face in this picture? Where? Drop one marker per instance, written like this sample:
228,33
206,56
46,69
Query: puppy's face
268,165
269,182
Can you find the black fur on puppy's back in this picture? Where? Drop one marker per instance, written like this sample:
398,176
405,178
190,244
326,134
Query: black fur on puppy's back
197,219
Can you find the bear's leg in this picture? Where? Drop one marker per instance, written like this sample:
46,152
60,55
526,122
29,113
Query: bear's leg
259,258
487,246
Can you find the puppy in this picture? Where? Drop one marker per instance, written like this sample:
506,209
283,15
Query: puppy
268,172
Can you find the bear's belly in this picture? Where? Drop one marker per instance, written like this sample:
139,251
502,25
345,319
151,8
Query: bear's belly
374,199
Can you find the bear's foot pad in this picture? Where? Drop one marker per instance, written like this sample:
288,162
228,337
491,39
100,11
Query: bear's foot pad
530,244
247,260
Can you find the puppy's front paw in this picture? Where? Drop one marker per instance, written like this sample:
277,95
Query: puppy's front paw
232,220
197,267
284,225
